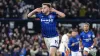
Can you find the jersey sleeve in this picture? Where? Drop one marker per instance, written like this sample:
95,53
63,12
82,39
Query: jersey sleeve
38,15
93,35
80,36
54,13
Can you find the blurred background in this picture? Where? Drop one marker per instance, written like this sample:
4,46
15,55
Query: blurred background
21,36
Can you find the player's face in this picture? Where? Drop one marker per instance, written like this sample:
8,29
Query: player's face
74,34
45,9
86,27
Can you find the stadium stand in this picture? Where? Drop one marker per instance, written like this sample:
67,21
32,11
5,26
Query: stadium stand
17,41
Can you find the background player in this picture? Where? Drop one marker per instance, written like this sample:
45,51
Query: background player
74,43
48,16
64,44
88,40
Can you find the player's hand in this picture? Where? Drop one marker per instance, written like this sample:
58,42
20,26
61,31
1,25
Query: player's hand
38,10
82,46
90,48
68,52
53,10
73,44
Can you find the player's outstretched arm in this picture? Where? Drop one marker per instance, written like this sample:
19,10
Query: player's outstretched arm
60,14
94,43
32,14
80,44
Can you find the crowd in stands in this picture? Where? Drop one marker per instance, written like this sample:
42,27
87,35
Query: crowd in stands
78,8
72,8
13,9
18,42
9,9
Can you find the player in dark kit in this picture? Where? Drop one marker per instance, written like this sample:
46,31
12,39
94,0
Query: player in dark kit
48,17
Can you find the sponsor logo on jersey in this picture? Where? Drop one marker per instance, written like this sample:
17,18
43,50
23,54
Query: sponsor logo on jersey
46,20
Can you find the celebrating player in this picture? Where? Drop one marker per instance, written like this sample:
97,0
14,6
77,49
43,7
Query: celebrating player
88,40
48,16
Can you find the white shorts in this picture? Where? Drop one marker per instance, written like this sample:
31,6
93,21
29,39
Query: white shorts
92,51
74,53
52,42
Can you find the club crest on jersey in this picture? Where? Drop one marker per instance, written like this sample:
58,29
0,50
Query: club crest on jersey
89,35
50,16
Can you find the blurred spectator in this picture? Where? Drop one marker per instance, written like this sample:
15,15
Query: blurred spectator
82,11
35,49
23,51
89,13
16,51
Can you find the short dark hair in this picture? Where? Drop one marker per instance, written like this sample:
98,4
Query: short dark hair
74,30
47,4
69,31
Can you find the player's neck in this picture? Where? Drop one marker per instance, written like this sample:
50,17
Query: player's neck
86,31
47,13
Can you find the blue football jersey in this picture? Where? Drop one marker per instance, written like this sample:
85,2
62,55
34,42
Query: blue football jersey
48,24
75,40
87,38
